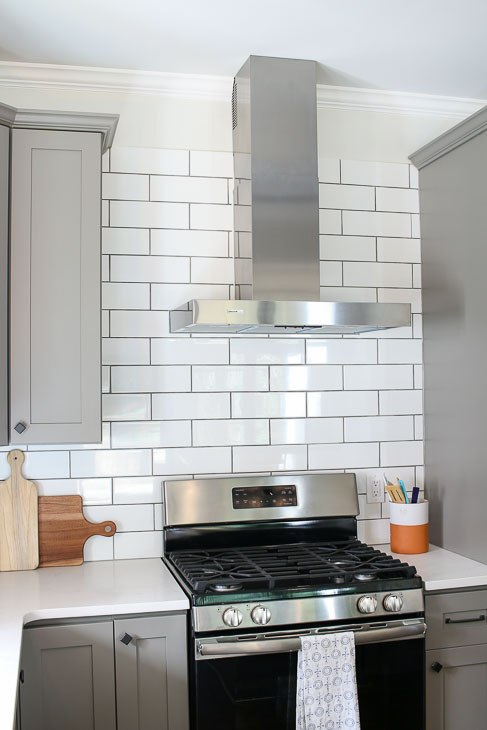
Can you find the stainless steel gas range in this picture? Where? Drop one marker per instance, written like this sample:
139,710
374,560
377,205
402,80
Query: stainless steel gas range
267,560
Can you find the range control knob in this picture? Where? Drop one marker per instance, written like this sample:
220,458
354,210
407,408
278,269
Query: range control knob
232,617
392,603
260,615
367,604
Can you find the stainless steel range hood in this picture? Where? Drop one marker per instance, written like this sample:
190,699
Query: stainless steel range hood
276,217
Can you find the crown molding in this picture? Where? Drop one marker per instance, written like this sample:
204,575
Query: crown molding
451,139
218,88
104,124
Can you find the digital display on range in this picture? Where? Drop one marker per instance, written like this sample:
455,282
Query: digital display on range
280,495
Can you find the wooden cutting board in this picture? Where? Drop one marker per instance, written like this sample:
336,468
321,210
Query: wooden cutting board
63,530
18,518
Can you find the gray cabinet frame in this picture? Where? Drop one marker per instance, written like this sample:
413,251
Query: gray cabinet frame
4,227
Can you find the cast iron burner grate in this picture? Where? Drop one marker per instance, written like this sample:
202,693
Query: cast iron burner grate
287,566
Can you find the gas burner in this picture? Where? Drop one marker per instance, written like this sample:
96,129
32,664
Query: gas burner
225,587
365,576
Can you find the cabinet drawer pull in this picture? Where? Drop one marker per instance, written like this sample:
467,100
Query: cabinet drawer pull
464,620
126,639
437,667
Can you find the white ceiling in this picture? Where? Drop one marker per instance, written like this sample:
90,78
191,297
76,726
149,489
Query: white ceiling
424,46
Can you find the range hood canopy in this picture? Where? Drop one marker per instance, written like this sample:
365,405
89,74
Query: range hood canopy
276,217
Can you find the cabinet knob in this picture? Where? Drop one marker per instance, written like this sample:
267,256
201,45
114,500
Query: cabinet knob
20,427
126,639
437,667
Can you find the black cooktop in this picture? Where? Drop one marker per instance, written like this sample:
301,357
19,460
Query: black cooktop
287,567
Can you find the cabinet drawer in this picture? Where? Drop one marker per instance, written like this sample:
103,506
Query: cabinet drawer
456,619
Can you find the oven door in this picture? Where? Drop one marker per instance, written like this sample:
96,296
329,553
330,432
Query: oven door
249,682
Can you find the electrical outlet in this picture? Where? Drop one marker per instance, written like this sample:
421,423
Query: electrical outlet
375,487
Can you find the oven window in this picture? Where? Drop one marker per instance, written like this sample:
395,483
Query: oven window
259,692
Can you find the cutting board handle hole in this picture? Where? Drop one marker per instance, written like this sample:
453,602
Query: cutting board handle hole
108,528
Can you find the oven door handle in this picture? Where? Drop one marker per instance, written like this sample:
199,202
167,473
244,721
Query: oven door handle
273,646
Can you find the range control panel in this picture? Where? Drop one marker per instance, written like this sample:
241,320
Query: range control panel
280,495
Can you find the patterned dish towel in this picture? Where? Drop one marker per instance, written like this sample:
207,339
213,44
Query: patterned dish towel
326,697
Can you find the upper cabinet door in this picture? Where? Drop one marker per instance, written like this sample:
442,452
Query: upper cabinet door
4,185
55,367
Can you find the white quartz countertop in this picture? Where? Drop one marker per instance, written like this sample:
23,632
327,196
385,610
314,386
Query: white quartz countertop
442,570
91,589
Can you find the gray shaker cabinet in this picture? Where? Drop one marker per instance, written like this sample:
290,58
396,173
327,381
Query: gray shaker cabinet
151,669
4,203
456,660
69,678
55,372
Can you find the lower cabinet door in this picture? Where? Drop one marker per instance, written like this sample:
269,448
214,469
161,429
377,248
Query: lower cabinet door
456,688
151,669
69,681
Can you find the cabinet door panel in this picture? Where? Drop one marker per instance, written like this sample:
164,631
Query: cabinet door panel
55,291
69,678
151,672
457,693
4,185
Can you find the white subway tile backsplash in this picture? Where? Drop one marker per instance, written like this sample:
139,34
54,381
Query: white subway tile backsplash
211,164
341,352
330,221
402,250
413,177
188,189
229,377
98,547
343,456
134,214
189,243
269,458
151,379
137,490
329,169
343,197
139,324
343,403
348,248
212,271
125,241
130,462
362,172
125,351
149,161
92,491
177,406
401,351
124,407
172,406
306,430
131,545
125,187
268,405
128,518
378,377
376,274
180,351
125,296
379,428
39,465
232,432
210,217
331,273
306,377
364,223
401,453
397,200
171,296
150,268
374,532
201,460
266,351
399,402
